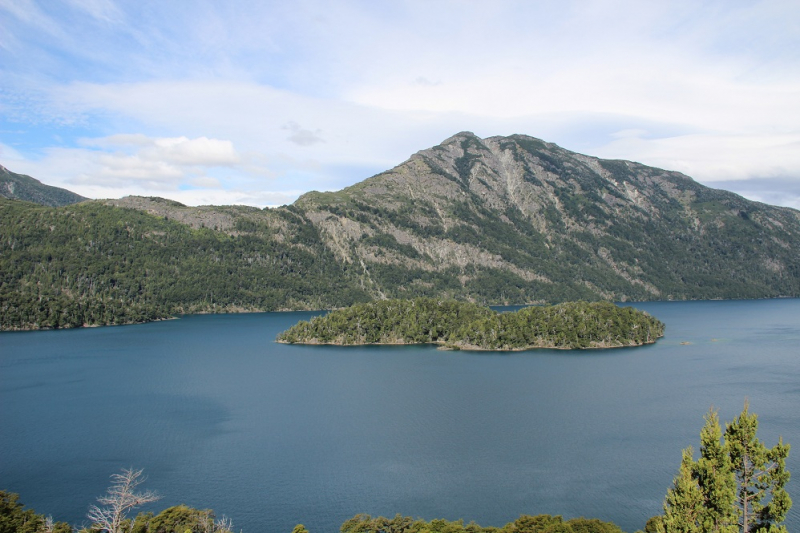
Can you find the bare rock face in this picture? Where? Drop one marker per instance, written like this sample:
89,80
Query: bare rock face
196,217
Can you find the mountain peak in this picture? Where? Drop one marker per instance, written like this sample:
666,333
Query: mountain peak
22,187
545,215
460,136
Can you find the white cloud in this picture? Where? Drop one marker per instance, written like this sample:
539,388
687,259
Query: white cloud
206,182
201,151
256,118
712,157
99,174
134,164
320,95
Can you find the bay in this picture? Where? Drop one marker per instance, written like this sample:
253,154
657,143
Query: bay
220,416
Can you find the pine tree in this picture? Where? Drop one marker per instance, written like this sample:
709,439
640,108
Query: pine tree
737,484
683,506
714,475
761,476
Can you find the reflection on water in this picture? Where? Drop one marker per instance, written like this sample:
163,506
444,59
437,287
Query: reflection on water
221,417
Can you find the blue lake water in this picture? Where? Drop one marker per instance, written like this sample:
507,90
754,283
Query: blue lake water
220,416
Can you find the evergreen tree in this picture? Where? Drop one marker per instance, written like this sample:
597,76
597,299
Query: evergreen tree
761,476
737,484
14,518
714,475
683,507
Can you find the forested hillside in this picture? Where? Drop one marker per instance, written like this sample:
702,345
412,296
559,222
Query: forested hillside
96,264
504,220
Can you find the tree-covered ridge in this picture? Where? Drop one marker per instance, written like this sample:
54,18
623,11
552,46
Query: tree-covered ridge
469,326
95,264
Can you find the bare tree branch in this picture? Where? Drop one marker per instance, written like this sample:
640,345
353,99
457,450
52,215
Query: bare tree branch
120,498
223,525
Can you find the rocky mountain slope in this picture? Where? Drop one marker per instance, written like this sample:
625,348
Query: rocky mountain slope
515,219
22,187
503,220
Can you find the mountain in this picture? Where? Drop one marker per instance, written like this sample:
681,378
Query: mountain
502,220
516,219
22,187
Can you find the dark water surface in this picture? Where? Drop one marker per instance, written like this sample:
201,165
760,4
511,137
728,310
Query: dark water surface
221,417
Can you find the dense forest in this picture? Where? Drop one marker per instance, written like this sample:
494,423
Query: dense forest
737,484
93,264
465,325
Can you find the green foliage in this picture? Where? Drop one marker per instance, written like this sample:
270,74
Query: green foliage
683,506
592,525
761,476
15,519
714,474
180,519
364,523
470,326
737,484
91,264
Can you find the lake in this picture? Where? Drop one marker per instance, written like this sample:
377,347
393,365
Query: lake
220,416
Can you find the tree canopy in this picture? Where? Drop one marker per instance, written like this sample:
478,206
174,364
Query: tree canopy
737,484
543,523
465,325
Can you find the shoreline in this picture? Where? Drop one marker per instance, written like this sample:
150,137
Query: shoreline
472,348
287,310
444,346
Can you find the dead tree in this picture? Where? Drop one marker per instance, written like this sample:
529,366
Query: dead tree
120,498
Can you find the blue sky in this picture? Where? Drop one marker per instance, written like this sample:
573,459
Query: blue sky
209,102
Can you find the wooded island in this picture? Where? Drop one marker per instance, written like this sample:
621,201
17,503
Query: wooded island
468,326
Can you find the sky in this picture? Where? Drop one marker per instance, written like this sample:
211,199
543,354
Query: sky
257,102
